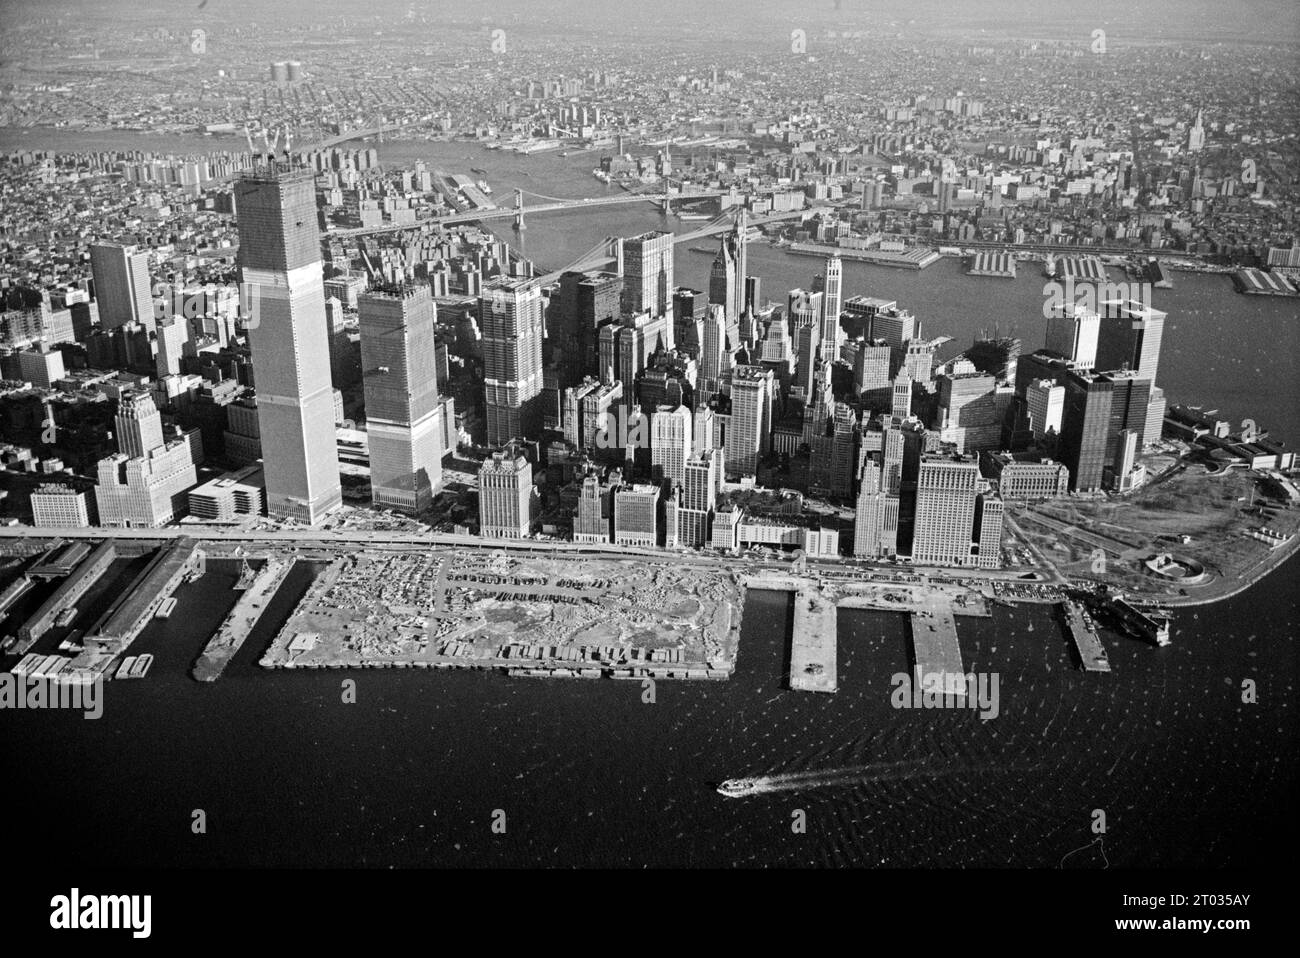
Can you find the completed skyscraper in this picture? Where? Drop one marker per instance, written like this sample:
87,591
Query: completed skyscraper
122,284
648,274
831,337
510,319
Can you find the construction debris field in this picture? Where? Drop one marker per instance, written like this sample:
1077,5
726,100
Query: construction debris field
538,615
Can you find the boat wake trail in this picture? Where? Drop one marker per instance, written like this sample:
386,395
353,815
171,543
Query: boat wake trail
856,775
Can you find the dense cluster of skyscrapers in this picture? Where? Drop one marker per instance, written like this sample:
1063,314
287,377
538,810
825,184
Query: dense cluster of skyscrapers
649,405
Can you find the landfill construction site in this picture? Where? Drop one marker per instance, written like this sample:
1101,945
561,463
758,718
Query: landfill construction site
568,616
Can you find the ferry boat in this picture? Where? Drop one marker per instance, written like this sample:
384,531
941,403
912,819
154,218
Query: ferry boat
166,607
1049,266
739,787
484,188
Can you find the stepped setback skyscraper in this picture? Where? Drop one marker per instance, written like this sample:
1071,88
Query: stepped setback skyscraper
280,259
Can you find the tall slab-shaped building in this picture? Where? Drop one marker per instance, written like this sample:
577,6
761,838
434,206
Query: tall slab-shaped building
510,318
280,259
399,366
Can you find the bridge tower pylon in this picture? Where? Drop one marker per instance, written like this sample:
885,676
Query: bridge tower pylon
519,209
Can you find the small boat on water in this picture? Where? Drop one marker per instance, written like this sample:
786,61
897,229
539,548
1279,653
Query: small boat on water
739,787
166,607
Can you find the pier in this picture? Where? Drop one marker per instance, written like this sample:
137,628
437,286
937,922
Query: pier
239,624
935,650
813,643
65,596
1092,654
992,264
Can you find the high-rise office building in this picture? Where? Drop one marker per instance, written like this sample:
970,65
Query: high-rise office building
138,424
41,366
280,260
400,384
122,289
571,411
587,301
895,326
636,515
592,522
831,335
713,353
858,312
917,357
775,349
144,484
1155,424
1072,332
1130,401
510,321
1129,337
598,428
56,505
648,273
1123,471
1085,427
875,524
834,453
742,261
805,309
672,441
506,498
722,278
972,410
1196,135
750,431
871,375
632,341
173,334
1045,400
901,396
958,518
893,455
690,307
699,497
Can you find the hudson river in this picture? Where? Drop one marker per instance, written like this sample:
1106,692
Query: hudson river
587,774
